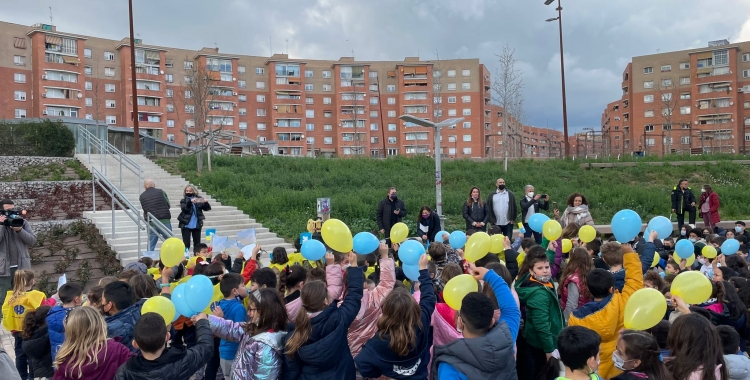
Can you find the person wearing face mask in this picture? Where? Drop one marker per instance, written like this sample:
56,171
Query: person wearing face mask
578,350
683,201
739,230
637,354
191,215
476,212
530,205
502,210
428,224
391,210
121,312
709,205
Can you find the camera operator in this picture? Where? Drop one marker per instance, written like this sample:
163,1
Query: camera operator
16,237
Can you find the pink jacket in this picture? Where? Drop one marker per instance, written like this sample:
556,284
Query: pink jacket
335,281
365,326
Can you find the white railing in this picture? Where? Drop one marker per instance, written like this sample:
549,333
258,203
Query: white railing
88,143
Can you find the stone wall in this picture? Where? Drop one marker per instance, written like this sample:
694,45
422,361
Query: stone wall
9,165
54,200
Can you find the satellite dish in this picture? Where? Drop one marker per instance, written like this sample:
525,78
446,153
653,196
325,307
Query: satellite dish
162,71
80,95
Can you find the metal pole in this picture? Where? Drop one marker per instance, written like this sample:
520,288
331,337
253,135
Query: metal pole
438,177
121,172
562,73
136,132
93,194
113,214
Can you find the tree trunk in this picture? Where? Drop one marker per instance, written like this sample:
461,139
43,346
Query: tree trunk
210,144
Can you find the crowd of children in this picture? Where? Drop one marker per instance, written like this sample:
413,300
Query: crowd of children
541,315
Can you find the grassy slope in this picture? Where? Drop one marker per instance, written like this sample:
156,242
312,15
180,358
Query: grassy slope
281,192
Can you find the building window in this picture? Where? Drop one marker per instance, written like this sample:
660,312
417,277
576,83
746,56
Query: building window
685,96
110,103
89,102
20,113
308,73
170,123
87,53
685,110
666,82
685,140
170,93
170,107
648,98
310,127
466,98
451,112
392,127
326,100
467,150
465,72
648,70
109,87
241,69
109,71
188,94
189,109
390,88
109,56
451,73
650,142
667,96
241,84
326,73
465,86
373,126
373,114
721,58
437,100
467,111
260,112
648,113
169,78
19,60
374,100
327,127
391,113
451,87
684,81
391,140
391,101
451,99
243,98
467,124
684,65
467,138
260,85
19,78
20,96
648,84
309,113
309,87
89,86
259,71
308,100
328,140
746,73
374,87
111,119
326,87
649,128
243,111
327,114
373,74
666,68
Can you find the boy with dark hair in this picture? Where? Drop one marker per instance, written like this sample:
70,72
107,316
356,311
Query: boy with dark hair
441,255
71,295
263,278
156,361
127,274
544,318
738,364
122,312
605,313
233,289
486,350
201,249
612,258
579,352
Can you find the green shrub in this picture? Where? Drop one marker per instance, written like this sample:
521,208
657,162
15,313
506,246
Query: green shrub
36,138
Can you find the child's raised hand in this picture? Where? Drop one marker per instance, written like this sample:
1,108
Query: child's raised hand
329,258
383,249
198,317
218,312
477,272
352,258
423,260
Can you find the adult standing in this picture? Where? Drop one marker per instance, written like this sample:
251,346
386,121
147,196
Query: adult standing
476,213
15,241
155,201
391,210
683,201
530,205
428,224
503,210
577,212
710,207
191,215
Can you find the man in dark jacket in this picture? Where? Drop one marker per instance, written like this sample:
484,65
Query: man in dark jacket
530,205
503,210
122,313
683,201
156,361
155,201
391,210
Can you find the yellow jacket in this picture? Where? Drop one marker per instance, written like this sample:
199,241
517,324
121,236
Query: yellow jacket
14,312
606,316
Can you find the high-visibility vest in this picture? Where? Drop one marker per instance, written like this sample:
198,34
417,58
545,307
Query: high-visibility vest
14,312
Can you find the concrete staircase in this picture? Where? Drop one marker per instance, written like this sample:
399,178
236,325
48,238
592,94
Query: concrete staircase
227,220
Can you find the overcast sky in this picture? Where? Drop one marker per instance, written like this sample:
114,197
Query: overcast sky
600,35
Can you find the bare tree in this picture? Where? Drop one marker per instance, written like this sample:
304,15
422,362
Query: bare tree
668,93
508,87
97,92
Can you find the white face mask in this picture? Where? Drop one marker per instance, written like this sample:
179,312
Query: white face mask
703,190
530,194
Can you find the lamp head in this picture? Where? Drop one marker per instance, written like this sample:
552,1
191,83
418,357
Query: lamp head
548,2
551,19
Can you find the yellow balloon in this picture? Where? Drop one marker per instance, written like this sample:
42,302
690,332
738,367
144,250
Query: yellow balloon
478,246
519,259
690,260
337,235
160,305
567,245
644,309
399,232
587,234
552,230
172,252
656,260
218,297
497,245
693,287
457,288
708,252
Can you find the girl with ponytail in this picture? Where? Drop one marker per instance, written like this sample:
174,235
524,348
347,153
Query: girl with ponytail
18,302
638,355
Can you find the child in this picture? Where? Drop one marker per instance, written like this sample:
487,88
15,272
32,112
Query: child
486,352
605,313
156,361
70,295
660,333
316,345
334,283
573,291
36,342
637,354
94,297
19,301
87,354
544,317
121,312
401,347
688,332
370,284
652,279
233,289
738,365
578,348
291,280
260,339
612,257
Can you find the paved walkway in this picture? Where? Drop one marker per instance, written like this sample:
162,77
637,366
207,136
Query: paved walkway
7,342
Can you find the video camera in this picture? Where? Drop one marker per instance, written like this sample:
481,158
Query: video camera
13,218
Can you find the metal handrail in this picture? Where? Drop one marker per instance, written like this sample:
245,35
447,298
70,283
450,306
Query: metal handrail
105,149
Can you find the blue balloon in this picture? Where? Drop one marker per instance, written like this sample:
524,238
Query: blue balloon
661,225
730,247
201,291
684,248
411,272
439,236
365,243
626,225
313,250
458,239
536,221
410,251
180,302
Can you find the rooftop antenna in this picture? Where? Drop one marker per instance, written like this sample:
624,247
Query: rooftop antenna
50,16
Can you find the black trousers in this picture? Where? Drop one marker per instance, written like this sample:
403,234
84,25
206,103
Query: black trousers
681,218
187,233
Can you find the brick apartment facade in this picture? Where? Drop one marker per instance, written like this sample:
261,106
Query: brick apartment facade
334,108
689,101
523,140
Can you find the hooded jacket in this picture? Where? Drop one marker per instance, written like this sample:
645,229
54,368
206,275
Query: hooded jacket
122,324
38,349
258,357
377,359
109,359
234,311
334,283
365,324
7,367
544,319
186,212
606,316
738,367
325,354
487,357
175,363
55,319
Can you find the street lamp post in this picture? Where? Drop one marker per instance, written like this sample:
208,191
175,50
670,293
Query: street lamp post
136,132
438,171
562,73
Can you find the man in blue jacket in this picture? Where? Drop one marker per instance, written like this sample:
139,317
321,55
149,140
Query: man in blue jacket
70,295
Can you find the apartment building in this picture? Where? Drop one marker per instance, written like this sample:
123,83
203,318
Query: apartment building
689,101
522,140
333,108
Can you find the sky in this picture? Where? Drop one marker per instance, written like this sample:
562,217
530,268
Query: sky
600,36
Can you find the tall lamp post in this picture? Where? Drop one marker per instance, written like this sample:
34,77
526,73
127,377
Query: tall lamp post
562,73
438,175
136,132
